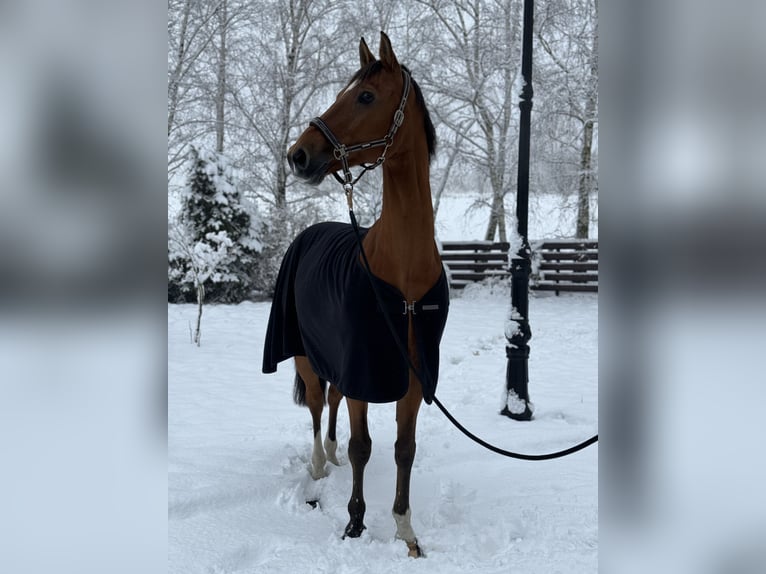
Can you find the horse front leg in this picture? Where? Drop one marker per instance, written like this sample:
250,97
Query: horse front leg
331,441
404,454
359,449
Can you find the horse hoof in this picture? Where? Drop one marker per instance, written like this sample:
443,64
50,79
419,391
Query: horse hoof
414,550
354,530
317,474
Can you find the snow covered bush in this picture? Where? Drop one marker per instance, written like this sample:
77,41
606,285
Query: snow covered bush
214,243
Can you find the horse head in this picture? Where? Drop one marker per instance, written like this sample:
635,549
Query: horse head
362,121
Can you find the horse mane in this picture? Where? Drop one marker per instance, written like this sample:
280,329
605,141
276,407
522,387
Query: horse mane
376,67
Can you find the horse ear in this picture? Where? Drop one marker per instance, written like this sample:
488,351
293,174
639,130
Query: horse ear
365,55
387,53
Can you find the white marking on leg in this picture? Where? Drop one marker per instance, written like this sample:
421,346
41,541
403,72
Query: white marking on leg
318,458
404,527
330,447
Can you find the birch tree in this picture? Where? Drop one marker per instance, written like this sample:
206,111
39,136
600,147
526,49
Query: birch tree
567,34
292,59
220,93
189,37
246,77
477,50
203,39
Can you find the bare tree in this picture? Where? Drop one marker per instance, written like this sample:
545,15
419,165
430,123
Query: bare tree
291,59
248,76
476,45
585,184
202,35
567,32
189,37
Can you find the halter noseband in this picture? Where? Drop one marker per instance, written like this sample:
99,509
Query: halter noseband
341,151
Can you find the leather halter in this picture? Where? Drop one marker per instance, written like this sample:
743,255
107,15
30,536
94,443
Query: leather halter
342,151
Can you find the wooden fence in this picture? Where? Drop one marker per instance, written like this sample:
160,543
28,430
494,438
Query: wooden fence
557,265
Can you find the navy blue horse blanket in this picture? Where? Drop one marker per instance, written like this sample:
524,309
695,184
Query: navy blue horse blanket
325,308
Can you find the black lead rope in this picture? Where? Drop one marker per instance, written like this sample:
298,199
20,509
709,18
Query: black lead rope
453,420
549,456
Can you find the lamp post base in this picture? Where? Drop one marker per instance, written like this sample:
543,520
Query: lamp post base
526,415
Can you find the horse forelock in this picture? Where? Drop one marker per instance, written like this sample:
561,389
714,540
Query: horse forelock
371,69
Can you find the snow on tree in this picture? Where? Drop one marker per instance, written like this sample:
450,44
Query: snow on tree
214,243
465,56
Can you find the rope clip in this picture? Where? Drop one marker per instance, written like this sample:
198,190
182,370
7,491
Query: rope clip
348,188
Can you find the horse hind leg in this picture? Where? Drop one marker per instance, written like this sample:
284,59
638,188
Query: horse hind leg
359,449
404,453
310,391
331,441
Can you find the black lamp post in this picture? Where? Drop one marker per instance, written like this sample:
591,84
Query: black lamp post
517,349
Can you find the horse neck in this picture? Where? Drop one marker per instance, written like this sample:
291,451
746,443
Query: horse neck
400,245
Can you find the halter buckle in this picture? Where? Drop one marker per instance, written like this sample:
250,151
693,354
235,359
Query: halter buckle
340,152
409,307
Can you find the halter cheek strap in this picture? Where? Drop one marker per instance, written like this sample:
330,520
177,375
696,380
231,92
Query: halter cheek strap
341,151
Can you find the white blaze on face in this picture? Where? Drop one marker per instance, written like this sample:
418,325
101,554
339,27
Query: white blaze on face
350,87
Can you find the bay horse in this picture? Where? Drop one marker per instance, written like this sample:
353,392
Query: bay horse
341,322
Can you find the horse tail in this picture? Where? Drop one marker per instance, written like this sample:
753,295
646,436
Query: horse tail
299,390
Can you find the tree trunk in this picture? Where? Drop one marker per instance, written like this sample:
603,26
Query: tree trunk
497,216
294,42
584,185
220,97
200,301
501,231
492,224
280,191
175,77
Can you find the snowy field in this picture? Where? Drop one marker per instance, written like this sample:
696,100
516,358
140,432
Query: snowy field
239,451
462,218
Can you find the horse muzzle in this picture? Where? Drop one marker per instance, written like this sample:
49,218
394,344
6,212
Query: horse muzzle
308,166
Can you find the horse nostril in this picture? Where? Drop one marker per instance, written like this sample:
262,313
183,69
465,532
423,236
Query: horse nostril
300,159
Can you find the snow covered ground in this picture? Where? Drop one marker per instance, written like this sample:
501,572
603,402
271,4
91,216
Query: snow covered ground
239,451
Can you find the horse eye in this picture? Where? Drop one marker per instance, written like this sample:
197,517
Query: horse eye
366,98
